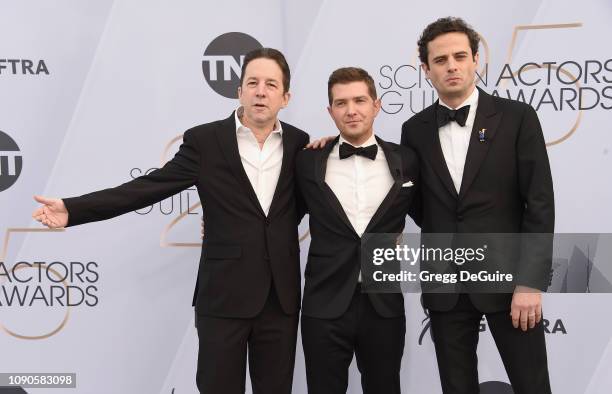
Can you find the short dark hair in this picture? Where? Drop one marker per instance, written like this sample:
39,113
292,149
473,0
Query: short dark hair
446,25
272,54
347,75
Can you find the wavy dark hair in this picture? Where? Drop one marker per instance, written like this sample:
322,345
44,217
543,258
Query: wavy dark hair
446,25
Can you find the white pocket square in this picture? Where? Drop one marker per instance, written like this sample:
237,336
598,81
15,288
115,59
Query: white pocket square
408,184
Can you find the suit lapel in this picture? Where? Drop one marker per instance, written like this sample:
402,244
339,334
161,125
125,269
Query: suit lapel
288,141
435,150
394,161
226,134
320,169
487,118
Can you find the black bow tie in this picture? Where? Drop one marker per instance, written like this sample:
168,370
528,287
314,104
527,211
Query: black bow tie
348,150
445,115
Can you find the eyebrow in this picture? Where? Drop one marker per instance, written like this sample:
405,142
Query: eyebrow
249,79
349,98
454,54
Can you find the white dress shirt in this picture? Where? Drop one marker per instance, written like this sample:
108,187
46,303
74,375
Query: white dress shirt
262,166
360,184
455,140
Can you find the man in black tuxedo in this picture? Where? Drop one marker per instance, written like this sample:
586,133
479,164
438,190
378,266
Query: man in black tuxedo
248,287
484,169
357,184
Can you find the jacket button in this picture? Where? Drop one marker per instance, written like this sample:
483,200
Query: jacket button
460,218
267,221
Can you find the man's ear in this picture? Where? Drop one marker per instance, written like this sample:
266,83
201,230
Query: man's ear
377,105
286,98
425,68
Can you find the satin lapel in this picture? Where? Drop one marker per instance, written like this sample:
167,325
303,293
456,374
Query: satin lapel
288,144
435,150
226,134
487,119
320,168
394,161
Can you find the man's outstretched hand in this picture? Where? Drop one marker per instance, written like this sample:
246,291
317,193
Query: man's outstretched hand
52,213
320,143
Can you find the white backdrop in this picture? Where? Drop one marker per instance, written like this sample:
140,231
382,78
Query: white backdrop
119,80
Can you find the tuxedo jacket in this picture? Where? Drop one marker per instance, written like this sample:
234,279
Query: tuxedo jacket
506,188
333,265
244,250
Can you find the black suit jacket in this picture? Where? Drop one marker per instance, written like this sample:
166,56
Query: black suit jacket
244,250
333,265
506,187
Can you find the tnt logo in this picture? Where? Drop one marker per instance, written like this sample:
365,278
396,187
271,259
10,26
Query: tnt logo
223,60
11,161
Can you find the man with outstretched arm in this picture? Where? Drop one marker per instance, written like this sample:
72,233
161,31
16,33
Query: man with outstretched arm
248,287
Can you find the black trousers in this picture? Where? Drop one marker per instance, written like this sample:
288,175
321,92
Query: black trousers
455,336
270,338
376,342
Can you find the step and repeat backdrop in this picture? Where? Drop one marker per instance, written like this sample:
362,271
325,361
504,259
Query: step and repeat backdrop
93,94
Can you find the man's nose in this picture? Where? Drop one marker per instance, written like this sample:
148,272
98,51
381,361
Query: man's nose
260,90
351,108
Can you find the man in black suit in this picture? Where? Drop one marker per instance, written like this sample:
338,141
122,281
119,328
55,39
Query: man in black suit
248,288
484,169
357,184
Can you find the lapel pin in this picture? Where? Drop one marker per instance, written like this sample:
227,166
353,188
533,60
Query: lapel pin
481,135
